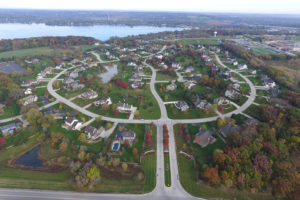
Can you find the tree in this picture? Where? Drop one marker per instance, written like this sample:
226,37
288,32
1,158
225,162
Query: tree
180,132
2,142
82,137
116,162
93,173
134,151
63,146
221,109
212,175
82,80
33,117
137,113
90,83
187,138
123,85
108,125
124,166
221,122
81,155
116,112
117,83
98,119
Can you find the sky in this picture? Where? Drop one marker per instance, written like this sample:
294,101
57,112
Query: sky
236,6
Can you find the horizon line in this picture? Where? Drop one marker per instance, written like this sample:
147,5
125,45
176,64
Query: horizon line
153,11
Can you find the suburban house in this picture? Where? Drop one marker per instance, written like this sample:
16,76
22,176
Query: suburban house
28,83
189,69
171,87
201,104
221,101
135,78
225,74
135,85
72,123
234,63
235,85
124,107
2,106
89,94
103,102
131,64
10,128
68,80
190,84
30,99
228,129
269,83
74,86
242,66
28,91
204,137
61,65
251,71
126,135
182,105
176,66
232,94
74,74
93,133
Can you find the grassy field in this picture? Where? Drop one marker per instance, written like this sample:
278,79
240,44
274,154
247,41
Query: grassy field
11,111
167,170
189,181
192,113
39,51
149,166
203,41
264,50
164,77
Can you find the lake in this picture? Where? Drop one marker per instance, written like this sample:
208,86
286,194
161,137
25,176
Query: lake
100,32
30,159
109,74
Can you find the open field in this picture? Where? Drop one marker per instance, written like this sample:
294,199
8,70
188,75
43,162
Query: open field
203,41
38,51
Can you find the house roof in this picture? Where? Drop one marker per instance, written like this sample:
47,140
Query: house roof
69,119
228,129
204,137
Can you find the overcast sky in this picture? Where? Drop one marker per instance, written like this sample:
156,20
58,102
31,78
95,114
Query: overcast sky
248,6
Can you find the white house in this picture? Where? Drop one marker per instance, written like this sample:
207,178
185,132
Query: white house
242,66
190,84
28,91
72,123
232,94
269,83
103,102
182,105
171,87
221,101
124,107
30,99
93,133
89,94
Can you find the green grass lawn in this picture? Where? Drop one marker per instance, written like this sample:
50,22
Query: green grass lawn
11,111
164,77
189,181
264,50
260,100
203,41
167,170
149,166
40,51
174,113
83,102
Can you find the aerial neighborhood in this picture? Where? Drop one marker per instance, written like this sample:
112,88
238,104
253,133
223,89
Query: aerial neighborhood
125,114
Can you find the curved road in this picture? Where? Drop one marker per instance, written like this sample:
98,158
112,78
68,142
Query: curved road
176,191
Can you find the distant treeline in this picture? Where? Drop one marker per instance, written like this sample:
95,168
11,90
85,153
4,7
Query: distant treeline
173,19
16,44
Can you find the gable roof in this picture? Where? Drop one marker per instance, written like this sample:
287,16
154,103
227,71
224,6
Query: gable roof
228,129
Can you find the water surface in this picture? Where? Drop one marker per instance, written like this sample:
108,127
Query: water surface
100,32
30,159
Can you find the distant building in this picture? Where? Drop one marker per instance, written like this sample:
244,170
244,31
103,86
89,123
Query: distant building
103,102
171,87
89,94
30,99
72,123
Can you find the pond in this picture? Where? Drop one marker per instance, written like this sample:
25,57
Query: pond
11,67
109,74
30,159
